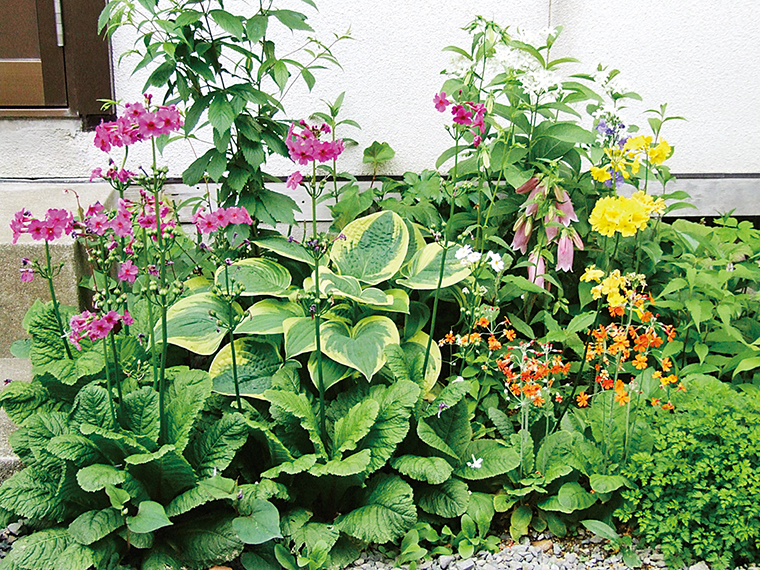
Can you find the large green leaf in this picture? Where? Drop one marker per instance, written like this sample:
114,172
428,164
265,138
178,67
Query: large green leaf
39,549
261,525
487,458
287,248
388,511
256,361
75,448
96,477
351,465
169,472
414,348
93,406
298,405
555,457
347,287
185,396
374,248
76,557
31,493
453,427
191,326
206,540
352,427
91,526
215,448
300,335
332,372
141,412
362,347
150,516
267,316
571,497
433,470
423,270
447,500
258,276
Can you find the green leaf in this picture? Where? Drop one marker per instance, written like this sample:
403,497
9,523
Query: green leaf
519,521
214,450
285,248
601,529
256,27
447,500
454,428
190,326
432,470
75,448
205,540
747,364
31,493
387,511
150,516
348,287
44,545
96,477
378,153
608,483
76,557
186,395
423,270
487,458
192,175
267,316
221,115
480,508
161,74
93,406
256,362
332,372
300,335
362,347
141,412
298,405
353,426
351,465
91,526
230,23
258,276
571,497
374,248
261,525
291,19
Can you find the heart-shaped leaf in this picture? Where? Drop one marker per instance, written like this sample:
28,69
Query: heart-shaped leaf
257,275
191,326
374,248
150,516
362,347
423,271
256,362
347,287
266,316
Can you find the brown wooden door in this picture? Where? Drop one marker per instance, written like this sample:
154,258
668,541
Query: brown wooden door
32,72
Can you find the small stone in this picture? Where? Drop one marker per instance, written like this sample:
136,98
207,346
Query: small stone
571,558
444,561
14,528
596,539
358,561
543,545
557,549
466,564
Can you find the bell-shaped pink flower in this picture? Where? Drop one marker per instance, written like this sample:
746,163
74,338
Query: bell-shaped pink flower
565,251
537,269
523,229
568,212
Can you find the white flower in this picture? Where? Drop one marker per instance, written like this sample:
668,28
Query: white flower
458,379
463,252
475,463
473,258
494,259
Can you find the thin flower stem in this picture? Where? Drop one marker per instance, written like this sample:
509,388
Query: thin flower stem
231,326
317,303
109,385
117,380
56,308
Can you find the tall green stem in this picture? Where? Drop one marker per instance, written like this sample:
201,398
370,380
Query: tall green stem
231,326
56,309
117,380
317,303
109,385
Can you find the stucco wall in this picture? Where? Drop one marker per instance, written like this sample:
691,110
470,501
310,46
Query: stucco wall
700,57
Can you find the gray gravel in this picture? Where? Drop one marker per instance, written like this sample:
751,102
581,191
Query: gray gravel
544,553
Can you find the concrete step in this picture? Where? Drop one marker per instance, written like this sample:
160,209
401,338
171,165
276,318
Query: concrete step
10,369
17,297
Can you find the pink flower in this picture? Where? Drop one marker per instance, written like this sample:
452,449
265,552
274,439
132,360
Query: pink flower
121,225
239,215
98,223
441,103
523,230
206,224
37,230
127,272
462,115
127,318
96,173
568,212
221,217
528,186
476,140
27,274
294,180
537,269
533,200
565,251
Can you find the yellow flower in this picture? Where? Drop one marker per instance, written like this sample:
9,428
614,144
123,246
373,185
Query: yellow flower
615,299
638,143
660,153
606,216
592,274
651,204
600,174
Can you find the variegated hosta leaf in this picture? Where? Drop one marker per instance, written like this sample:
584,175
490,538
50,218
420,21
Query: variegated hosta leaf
398,301
257,275
345,286
416,346
362,347
190,324
374,248
332,372
423,270
416,241
289,249
267,316
256,361
300,335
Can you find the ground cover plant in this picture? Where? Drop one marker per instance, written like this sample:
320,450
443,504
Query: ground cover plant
514,344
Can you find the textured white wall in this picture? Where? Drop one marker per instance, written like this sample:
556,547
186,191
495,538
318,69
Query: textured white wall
701,57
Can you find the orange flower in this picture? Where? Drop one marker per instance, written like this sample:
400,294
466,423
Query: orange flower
515,389
655,402
449,338
670,379
681,387
640,361
666,364
538,401
668,407
482,323
582,400
616,311
510,334
670,331
474,337
622,397
531,389
493,344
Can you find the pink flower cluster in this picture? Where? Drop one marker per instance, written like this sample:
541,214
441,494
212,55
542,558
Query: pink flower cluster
305,147
127,272
137,124
27,270
56,223
121,175
89,325
467,114
556,223
146,216
220,218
